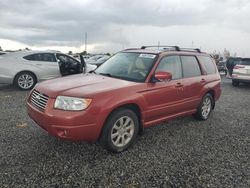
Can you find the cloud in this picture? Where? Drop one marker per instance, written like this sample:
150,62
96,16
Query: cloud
58,22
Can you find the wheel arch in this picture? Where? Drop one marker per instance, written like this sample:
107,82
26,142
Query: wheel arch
131,106
212,93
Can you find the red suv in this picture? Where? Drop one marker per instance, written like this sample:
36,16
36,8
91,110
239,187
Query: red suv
133,90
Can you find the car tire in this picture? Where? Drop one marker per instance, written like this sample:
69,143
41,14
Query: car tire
120,130
235,83
25,80
205,108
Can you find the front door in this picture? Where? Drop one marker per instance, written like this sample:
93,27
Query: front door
68,65
164,99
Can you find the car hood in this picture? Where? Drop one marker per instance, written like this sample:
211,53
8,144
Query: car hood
81,85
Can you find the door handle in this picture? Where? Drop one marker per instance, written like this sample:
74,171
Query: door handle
178,85
39,64
203,80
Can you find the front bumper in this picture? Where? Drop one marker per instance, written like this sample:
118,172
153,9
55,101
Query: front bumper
74,126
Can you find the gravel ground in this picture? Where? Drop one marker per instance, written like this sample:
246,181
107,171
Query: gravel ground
180,153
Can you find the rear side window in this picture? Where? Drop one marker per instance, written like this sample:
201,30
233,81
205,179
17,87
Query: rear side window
48,57
171,64
245,62
30,57
41,57
208,64
190,66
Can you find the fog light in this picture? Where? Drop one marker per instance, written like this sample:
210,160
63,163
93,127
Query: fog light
62,132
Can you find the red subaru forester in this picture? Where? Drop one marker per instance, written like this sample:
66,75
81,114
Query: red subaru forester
133,90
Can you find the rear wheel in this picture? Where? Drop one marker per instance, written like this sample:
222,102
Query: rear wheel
205,107
25,80
120,130
235,83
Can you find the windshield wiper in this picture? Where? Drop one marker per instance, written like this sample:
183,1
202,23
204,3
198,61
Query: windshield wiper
106,74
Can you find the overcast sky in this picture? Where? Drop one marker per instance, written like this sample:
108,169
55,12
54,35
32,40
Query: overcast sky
115,24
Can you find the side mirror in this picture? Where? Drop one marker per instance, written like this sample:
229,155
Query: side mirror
163,76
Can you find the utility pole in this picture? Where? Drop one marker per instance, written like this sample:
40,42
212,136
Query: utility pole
158,45
86,40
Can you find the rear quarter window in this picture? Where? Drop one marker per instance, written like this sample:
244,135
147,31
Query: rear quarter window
208,64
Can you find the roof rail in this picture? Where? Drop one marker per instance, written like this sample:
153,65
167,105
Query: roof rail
191,49
177,48
130,49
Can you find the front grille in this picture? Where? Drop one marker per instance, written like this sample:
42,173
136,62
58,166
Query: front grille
39,100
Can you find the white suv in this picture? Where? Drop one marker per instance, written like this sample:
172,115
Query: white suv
241,72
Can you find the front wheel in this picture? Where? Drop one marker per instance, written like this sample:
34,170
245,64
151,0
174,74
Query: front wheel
205,107
120,130
25,80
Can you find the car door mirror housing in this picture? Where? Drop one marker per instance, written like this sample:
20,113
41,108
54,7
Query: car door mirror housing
162,76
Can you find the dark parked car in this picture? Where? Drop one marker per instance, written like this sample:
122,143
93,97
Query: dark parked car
241,72
133,90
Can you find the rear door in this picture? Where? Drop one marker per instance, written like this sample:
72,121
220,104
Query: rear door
68,65
45,64
193,81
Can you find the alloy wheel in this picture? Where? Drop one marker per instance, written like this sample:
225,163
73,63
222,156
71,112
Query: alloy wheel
25,81
206,107
122,131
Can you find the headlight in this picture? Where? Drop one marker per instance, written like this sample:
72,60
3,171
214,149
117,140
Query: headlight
71,103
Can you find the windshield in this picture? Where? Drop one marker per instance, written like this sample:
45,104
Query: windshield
128,66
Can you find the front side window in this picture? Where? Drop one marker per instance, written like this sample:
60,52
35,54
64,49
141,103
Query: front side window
128,66
208,64
190,66
66,59
171,64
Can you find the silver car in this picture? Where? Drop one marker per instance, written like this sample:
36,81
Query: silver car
241,72
25,68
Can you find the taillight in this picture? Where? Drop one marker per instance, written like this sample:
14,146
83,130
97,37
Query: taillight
239,66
